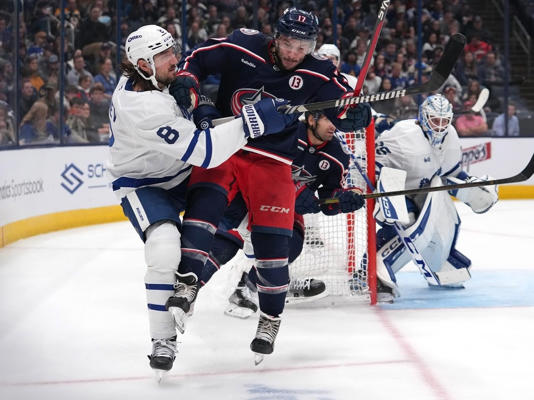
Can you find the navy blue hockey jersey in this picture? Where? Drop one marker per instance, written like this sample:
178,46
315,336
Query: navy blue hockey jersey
248,73
322,168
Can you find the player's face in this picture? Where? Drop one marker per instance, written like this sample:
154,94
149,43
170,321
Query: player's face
292,51
324,129
439,124
165,64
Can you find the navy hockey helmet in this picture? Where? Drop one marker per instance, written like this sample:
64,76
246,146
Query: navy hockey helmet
299,24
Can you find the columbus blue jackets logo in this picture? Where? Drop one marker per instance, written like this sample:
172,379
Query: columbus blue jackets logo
245,96
299,174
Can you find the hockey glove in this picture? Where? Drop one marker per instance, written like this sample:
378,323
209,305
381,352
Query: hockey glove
480,198
349,200
205,113
185,90
306,202
262,118
355,118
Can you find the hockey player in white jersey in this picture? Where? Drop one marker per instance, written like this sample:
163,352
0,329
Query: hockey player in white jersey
153,146
428,149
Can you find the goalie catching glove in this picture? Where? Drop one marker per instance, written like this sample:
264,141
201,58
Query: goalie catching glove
349,200
480,198
262,118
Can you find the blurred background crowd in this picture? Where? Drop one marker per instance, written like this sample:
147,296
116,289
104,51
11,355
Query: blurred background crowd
40,96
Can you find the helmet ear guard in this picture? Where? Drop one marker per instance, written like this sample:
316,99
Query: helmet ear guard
435,117
144,44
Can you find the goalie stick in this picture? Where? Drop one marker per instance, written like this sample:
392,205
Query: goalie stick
527,172
439,75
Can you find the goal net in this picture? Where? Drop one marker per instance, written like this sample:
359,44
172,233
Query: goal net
340,249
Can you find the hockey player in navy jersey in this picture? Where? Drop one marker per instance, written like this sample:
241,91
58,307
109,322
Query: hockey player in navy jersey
153,146
319,171
253,66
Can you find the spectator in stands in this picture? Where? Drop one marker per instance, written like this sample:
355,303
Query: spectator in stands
51,72
74,74
78,121
48,96
451,94
240,19
72,14
7,125
99,105
38,45
93,55
213,19
478,47
477,29
469,123
84,86
491,70
372,81
92,30
170,19
106,77
467,68
7,82
498,127
33,126
196,35
397,77
386,107
31,72
405,108
349,66
28,97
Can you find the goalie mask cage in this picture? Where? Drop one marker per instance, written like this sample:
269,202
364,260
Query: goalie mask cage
341,250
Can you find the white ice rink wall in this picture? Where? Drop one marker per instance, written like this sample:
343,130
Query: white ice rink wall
46,189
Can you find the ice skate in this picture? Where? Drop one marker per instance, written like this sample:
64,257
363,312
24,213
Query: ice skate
180,305
384,294
266,333
303,290
162,357
243,300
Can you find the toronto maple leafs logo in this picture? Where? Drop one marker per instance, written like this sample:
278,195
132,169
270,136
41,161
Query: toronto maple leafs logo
245,96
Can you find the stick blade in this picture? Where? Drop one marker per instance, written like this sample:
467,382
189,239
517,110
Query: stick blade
452,52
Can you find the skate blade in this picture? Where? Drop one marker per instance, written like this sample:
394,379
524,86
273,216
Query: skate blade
179,318
160,375
304,299
233,310
258,358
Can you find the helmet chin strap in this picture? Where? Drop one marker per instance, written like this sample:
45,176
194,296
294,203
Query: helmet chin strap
151,78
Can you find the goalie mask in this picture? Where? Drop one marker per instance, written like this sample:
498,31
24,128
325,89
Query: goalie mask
144,44
435,117
299,24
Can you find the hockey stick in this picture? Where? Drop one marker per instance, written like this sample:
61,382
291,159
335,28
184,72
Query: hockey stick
481,101
527,172
439,75
372,46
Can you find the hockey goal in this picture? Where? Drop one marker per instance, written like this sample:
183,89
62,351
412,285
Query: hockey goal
340,250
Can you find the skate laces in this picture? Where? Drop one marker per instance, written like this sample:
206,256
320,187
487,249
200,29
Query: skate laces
300,284
163,348
267,328
185,290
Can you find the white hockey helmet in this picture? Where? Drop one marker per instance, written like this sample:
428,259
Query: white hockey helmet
144,44
328,50
435,117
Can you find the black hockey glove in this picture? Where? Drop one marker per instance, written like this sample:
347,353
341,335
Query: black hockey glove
349,200
185,90
355,118
205,113
262,118
306,202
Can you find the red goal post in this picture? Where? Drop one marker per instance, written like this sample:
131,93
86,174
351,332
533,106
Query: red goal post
341,249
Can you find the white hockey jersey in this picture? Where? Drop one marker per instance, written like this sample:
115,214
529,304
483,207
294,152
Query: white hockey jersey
152,143
405,147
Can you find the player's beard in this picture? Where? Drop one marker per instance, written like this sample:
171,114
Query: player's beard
166,80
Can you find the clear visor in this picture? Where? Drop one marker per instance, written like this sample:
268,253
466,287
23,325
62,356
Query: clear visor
295,45
168,55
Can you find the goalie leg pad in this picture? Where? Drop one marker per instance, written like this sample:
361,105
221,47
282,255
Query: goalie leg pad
455,271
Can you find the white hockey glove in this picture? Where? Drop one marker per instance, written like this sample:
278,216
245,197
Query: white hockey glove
480,198
262,118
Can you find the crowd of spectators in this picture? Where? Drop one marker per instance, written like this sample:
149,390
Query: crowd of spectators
90,68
